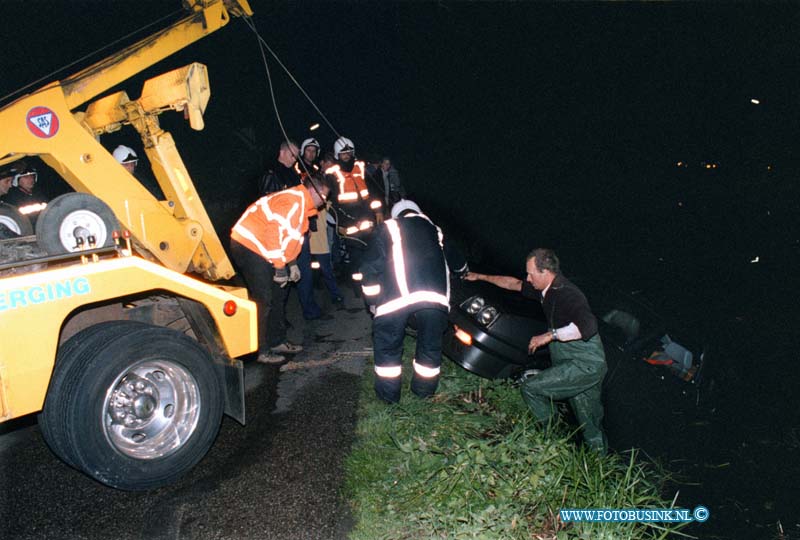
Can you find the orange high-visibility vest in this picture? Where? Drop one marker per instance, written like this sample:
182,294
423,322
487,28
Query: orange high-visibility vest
273,226
351,184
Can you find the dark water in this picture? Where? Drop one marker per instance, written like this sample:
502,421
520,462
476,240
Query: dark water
716,253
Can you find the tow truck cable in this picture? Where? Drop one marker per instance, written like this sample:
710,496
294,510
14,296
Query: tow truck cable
262,44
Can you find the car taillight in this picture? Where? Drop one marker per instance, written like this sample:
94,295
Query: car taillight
463,336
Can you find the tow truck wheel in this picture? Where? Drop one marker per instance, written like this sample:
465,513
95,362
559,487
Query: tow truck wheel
140,405
14,221
71,217
52,420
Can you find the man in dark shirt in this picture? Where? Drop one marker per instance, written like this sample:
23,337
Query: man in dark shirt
576,352
286,174
282,175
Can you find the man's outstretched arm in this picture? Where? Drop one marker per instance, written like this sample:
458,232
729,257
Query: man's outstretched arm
505,282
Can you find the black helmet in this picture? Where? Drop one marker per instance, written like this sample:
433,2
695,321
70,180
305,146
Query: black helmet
9,171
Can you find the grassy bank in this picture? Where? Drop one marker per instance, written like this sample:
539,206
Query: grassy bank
470,464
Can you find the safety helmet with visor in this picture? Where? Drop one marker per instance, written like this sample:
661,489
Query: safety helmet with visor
309,142
404,205
342,144
22,170
125,154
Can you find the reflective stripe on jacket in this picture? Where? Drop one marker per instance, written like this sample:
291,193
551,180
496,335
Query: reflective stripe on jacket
273,226
405,266
352,185
313,169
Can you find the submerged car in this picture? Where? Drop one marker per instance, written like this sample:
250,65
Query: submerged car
490,329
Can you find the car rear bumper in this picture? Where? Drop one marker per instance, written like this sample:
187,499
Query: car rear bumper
484,354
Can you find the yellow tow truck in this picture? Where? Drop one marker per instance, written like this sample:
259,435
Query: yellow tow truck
130,360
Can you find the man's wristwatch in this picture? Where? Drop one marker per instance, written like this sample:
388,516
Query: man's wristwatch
554,334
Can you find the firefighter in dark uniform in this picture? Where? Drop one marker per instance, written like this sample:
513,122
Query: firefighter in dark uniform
356,211
25,193
576,352
306,163
405,272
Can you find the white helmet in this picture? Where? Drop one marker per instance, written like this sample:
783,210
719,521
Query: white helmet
402,205
23,169
342,144
307,143
125,154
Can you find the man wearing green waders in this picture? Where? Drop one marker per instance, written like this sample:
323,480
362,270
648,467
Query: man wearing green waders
576,352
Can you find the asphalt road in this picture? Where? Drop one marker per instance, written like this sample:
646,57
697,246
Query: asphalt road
277,477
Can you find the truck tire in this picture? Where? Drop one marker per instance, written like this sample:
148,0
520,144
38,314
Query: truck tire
52,419
140,405
71,216
13,220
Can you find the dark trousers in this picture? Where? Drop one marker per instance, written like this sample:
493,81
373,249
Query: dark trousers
268,295
305,287
333,245
356,248
326,269
388,332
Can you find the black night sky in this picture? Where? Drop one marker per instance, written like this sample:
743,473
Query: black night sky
524,124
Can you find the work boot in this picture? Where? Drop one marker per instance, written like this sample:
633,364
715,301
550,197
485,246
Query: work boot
388,391
270,358
286,348
424,387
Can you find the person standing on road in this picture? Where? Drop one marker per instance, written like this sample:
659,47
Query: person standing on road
265,243
307,162
406,273
356,212
306,166
576,352
320,251
390,179
285,173
334,246
282,175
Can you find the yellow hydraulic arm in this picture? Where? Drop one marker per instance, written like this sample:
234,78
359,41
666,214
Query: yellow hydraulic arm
177,231
207,17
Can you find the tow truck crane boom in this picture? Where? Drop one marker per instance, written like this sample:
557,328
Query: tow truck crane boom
207,17
177,232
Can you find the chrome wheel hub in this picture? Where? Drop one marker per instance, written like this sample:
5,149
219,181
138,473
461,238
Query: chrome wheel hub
151,409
